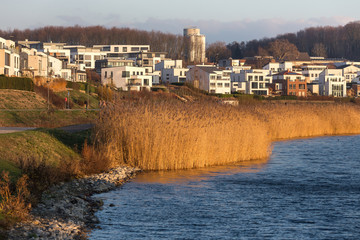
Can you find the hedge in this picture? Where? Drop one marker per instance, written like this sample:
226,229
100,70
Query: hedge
16,83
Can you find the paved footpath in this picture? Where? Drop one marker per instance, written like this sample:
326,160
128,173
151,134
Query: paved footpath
4,130
69,129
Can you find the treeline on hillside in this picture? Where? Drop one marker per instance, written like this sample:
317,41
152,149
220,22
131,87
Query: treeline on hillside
98,35
332,42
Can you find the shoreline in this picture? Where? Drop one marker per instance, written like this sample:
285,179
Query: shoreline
66,210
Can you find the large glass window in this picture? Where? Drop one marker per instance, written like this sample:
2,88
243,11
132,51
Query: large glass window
125,74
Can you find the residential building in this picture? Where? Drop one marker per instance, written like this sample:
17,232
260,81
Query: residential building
276,67
112,62
349,72
332,83
210,79
9,58
290,84
168,63
126,78
83,56
195,47
122,51
255,81
148,60
312,72
173,75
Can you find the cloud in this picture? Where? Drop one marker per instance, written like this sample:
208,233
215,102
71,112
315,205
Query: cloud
73,20
241,30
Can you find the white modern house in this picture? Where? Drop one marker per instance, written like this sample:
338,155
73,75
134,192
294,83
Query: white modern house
276,67
312,72
168,63
255,81
122,51
332,83
9,58
83,56
126,78
210,79
349,72
173,75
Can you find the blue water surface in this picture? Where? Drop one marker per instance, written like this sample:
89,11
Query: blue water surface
308,189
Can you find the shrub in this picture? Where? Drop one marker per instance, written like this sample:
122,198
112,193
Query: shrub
16,83
13,205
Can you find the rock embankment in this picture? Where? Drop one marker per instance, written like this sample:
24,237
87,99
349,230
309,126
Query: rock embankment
66,211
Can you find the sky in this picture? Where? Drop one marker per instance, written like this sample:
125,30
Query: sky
227,21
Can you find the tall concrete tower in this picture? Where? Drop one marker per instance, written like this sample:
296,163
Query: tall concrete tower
195,45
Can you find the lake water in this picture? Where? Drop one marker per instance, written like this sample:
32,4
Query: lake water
308,189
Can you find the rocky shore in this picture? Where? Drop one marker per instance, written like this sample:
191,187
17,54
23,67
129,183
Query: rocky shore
66,211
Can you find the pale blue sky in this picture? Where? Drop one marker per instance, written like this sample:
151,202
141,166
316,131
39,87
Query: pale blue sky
231,20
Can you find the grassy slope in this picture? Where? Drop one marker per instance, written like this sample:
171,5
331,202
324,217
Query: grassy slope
16,99
52,146
76,95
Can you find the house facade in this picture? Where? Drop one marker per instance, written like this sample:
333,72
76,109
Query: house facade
126,78
9,58
312,72
332,83
289,84
174,75
255,81
210,79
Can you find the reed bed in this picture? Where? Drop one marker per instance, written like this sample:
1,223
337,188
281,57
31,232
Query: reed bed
164,135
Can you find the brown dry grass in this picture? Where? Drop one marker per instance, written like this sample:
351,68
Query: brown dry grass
55,84
13,205
17,99
166,134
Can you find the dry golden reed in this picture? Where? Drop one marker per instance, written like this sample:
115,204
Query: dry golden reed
162,135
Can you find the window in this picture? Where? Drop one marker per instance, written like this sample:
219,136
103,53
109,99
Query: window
146,61
81,57
219,84
254,85
125,74
250,78
116,49
124,49
261,85
88,57
261,78
212,77
7,59
112,75
256,78
105,74
227,85
87,64
144,48
212,84
133,74
146,82
135,49
301,86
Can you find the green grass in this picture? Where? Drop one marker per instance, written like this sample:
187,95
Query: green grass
45,119
78,99
51,146
10,167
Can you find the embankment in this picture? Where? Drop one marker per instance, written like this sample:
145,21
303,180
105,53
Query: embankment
66,210
163,135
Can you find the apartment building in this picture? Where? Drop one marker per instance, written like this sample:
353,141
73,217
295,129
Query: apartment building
332,83
85,57
276,67
122,51
173,75
290,84
349,72
255,81
126,78
112,62
210,79
312,72
168,63
9,58
149,60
